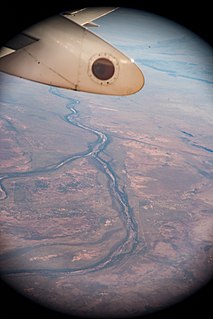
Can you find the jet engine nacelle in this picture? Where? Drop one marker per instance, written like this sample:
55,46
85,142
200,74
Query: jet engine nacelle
64,54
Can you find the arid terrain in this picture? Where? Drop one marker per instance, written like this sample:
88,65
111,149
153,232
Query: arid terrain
107,202
59,225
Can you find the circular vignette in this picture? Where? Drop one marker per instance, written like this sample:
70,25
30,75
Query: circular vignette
167,228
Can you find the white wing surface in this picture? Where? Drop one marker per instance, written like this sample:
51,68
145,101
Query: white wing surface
61,52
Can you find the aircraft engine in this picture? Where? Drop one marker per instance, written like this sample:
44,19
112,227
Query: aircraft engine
62,53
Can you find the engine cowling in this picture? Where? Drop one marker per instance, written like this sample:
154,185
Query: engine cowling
67,55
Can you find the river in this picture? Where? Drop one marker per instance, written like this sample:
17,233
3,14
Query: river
129,243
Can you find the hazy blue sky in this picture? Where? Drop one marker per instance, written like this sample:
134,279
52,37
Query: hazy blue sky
174,60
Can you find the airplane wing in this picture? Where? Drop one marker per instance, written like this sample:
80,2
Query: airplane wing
62,52
83,17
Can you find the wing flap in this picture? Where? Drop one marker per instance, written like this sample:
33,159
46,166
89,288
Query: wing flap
18,42
87,15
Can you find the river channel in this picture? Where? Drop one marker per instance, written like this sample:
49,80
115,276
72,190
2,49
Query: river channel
129,243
